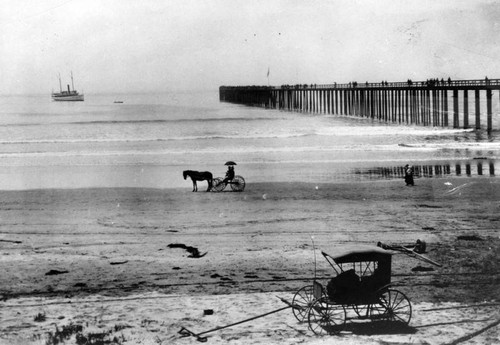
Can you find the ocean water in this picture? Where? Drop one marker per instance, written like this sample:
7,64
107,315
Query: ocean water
149,139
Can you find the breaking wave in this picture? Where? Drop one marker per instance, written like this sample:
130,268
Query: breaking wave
146,121
138,140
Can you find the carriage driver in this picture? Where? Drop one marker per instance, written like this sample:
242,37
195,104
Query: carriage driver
229,174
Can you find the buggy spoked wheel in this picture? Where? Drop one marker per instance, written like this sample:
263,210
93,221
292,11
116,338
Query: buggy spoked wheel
393,305
326,318
238,184
217,185
302,300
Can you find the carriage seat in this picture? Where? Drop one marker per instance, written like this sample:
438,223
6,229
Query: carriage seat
373,282
344,286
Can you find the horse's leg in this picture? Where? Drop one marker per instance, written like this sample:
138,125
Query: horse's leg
195,186
209,181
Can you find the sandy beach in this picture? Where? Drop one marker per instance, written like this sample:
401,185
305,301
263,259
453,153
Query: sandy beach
101,258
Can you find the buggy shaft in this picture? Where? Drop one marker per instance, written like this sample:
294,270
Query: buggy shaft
246,320
407,251
242,321
411,252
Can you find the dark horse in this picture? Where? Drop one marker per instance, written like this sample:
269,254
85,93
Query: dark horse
199,176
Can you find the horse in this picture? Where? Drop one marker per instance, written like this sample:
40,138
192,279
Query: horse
199,176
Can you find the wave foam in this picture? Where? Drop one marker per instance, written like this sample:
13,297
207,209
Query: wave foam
388,130
395,148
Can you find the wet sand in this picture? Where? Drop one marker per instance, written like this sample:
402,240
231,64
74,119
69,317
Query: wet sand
101,258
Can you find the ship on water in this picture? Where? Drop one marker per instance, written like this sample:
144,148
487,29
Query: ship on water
71,95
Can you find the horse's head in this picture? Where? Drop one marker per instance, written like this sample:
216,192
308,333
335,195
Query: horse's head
185,174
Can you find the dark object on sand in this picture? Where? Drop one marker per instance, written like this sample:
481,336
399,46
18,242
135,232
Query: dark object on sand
422,269
199,176
470,238
118,262
208,312
420,247
55,272
17,242
195,253
40,317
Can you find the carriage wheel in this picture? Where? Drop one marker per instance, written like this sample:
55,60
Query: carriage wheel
302,299
326,318
238,184
217,185
393,305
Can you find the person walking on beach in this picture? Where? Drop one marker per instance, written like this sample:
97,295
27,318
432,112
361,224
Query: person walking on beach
409,175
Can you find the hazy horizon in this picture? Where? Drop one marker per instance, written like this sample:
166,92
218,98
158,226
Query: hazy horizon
125,46
111,92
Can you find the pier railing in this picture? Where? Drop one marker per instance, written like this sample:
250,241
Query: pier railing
485,83
412,102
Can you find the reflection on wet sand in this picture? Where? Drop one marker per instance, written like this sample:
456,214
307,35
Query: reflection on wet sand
475,167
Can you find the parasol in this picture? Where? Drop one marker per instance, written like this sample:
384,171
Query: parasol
230,163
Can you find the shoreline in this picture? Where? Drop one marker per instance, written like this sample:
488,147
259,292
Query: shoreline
359,175
150,173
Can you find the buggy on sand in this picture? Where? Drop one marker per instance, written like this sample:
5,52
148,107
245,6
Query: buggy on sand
361,289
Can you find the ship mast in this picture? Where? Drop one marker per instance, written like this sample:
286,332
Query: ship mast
60,86
73,86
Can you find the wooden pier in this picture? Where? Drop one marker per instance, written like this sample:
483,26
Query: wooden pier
424,103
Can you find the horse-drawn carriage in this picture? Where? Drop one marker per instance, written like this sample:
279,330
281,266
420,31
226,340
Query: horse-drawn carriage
361,289
217,184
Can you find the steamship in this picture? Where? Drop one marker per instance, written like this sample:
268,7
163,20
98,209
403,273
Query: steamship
69,95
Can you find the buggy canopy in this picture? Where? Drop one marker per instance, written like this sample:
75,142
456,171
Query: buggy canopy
357,253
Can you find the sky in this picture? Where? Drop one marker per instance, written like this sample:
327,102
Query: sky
163,45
